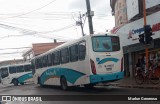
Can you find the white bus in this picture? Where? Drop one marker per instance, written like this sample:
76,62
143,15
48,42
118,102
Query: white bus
86,61
16,74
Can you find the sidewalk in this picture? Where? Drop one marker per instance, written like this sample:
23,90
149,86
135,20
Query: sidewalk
130,83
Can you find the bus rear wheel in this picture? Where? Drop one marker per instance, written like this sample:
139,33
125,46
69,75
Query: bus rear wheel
63,83
15,82
22,83
89,86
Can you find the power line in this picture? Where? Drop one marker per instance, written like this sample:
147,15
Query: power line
10,53
60,29
14,48
32,10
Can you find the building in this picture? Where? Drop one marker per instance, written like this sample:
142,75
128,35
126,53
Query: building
10,62
130,25
39,48
119,10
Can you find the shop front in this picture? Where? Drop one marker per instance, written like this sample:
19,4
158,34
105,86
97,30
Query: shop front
132,48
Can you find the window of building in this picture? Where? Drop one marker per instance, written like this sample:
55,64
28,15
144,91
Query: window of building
73,53
12,69
82,50
64,55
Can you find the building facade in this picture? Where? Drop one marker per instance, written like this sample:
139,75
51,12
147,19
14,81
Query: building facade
120,12
39,48
10,62
130,30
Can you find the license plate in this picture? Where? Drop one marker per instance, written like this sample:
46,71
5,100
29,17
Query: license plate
108,69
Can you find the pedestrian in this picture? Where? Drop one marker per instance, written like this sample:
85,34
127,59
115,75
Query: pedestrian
140,65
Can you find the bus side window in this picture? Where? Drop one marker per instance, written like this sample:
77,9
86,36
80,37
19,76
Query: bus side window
37,63
56,59
49,59
82,50
52,56
27,68
33,65
73,53
12,70
20,69
4,72
64,55
44,61
40,62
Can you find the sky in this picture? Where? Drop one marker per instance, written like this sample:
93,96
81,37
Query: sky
23,22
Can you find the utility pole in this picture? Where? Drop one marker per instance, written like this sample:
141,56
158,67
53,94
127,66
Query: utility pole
145,23
89,14
81,23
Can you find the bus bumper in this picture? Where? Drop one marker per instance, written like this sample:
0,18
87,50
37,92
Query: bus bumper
100,78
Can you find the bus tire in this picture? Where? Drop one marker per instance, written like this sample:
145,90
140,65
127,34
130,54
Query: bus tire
15,82
39,82
22,83
89,86
63,83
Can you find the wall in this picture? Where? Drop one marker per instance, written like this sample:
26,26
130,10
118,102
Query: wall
120,12
129,33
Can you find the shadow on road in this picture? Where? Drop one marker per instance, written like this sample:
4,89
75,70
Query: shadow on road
96,89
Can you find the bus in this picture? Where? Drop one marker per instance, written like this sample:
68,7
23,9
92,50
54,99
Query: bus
87,61
16,74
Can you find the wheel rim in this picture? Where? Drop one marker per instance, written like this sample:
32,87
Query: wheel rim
154,79
15,82
139,79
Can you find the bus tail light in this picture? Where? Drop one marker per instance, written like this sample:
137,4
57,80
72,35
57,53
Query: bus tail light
93,67
121,64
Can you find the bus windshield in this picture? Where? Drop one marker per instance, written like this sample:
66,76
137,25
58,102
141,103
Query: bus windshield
105,43
4,72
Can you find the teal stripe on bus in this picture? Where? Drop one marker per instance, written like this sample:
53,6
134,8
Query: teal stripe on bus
106,77
108,59
70,74
25,77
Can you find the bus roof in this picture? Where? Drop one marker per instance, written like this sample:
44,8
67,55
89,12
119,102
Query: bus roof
15,65
72,42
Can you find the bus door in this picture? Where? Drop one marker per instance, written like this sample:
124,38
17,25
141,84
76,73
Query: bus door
5,79
106,56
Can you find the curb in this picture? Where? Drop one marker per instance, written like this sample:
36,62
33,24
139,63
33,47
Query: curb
137,86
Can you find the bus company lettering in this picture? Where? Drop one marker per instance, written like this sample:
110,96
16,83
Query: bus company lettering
155,28
51,72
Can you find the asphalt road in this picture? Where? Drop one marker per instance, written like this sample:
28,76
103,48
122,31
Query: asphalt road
35,90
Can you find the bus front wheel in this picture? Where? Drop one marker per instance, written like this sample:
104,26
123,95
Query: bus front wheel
15,82
63,83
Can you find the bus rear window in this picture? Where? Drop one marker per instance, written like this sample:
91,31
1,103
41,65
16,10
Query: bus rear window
105,43
27,68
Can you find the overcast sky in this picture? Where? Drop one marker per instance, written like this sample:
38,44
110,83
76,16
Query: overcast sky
23,22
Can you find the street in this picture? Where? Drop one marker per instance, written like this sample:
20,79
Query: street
32,89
